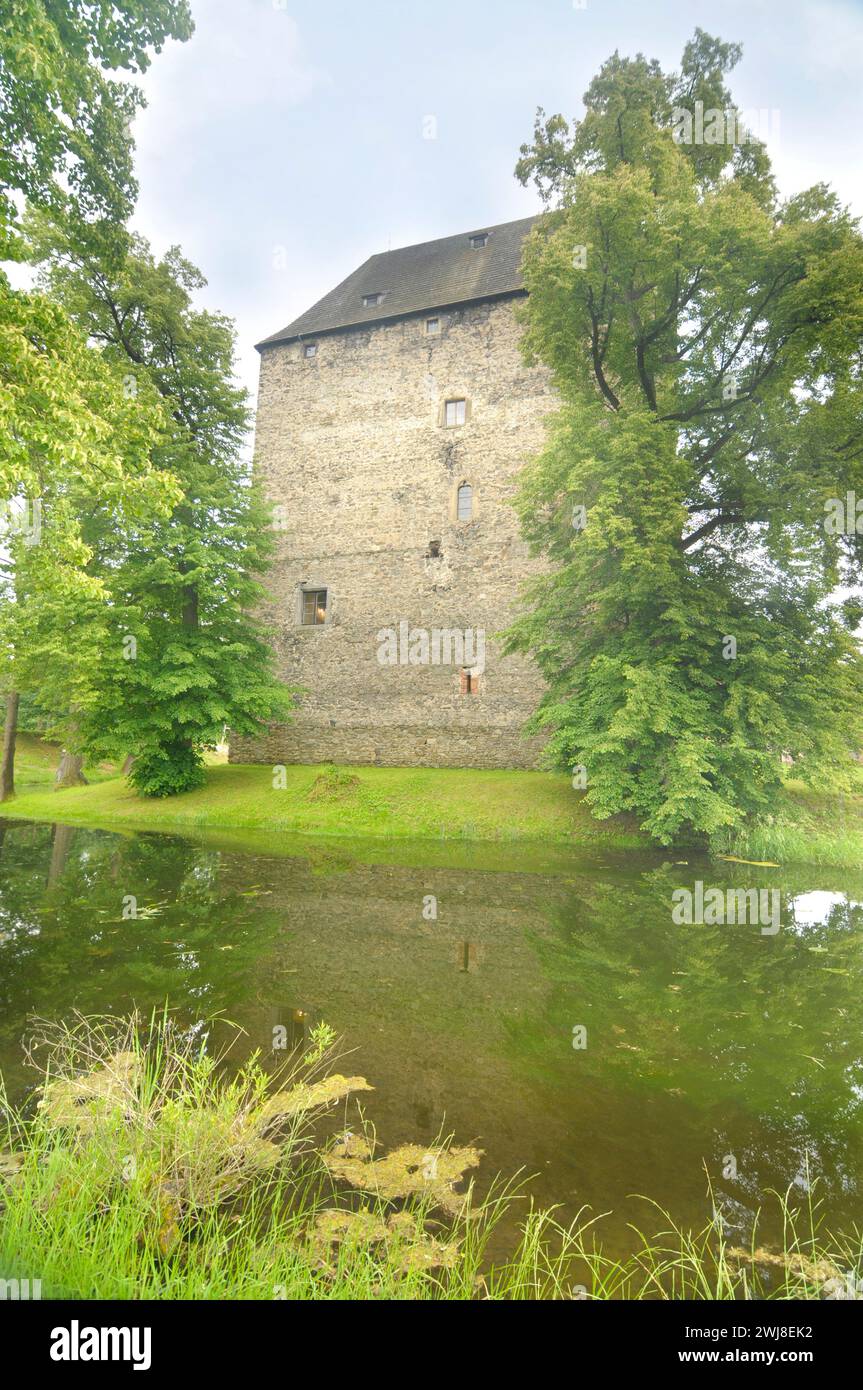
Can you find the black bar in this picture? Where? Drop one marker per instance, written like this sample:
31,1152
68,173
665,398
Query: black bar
618,1337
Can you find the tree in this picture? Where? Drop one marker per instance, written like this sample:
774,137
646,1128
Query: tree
64,122
705,340
65,145
184,657
77,443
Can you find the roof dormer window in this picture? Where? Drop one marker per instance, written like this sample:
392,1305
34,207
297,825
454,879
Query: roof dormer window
479,240
370,300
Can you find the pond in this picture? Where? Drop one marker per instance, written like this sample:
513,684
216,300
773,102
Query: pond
542,1003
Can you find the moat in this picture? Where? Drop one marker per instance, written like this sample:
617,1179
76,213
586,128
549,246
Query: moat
703,1044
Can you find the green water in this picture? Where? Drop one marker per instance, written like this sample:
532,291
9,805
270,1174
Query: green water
704,1043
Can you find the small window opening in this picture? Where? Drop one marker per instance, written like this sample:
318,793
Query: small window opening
370,300
434,550
314,607
479,241
456,412
432,326
464,503
310,349
469,683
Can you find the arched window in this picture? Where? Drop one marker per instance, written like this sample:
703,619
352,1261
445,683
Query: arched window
464,502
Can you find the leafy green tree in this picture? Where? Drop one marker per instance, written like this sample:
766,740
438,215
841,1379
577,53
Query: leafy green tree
64,122
705,340
185,657
134,626
68,428
88,447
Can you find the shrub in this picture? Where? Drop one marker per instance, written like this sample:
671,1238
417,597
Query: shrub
168,769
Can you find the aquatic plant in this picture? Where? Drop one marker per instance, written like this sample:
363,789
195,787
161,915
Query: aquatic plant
145,1167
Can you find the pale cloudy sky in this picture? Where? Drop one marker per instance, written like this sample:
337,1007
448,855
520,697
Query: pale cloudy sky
285,142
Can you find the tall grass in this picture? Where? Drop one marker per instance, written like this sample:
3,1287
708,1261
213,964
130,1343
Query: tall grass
148,1169
808,826
787,843
674,1263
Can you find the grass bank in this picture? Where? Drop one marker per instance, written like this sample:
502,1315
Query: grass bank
452,804
398,803
146,1170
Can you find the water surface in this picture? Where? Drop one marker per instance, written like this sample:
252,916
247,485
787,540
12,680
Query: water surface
704,1043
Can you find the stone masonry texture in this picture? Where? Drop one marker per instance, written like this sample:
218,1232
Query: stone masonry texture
353,450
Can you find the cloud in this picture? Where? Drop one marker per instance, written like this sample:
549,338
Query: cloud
834,39
211,142
245,61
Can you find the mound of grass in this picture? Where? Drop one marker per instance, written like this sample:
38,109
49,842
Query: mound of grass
333,784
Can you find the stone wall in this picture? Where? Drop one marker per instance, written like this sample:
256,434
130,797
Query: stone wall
352,447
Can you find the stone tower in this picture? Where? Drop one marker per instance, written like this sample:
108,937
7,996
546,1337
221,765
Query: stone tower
393,420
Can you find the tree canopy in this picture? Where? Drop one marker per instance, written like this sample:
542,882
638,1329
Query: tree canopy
705,340
185,656
123,429
64,122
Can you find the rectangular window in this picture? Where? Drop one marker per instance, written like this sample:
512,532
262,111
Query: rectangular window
432,325
469,683
370,300
310,349
455,412
479,241
314,607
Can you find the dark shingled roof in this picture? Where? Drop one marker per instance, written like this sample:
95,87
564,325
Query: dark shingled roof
432,275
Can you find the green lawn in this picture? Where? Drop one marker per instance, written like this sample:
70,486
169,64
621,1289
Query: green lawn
415,803
418,803
36,762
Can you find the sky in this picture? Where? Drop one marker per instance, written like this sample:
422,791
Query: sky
289,140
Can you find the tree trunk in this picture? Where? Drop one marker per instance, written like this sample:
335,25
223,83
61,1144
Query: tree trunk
69,772
190,607
127,765
10,733
60,846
